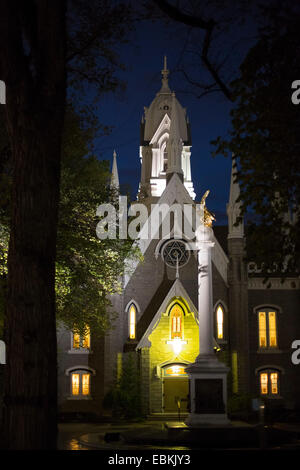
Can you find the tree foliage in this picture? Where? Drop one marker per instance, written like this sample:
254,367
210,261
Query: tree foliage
87,269
265,140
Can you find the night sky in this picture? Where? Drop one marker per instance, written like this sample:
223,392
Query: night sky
209,116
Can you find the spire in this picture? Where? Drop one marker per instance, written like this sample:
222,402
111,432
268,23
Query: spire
174,146
233,207
114,182
234,185
165,73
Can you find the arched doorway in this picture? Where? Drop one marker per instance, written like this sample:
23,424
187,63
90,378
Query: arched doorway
175,388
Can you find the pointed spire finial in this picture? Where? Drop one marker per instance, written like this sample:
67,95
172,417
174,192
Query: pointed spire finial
114,172
174,145
165,73
234,185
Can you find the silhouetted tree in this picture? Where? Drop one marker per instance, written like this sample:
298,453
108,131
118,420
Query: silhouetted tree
33,66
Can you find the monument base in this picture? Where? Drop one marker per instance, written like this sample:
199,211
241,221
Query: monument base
208,392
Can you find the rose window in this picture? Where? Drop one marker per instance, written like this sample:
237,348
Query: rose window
174,252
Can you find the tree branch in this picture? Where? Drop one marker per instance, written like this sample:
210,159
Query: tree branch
210,68
176,14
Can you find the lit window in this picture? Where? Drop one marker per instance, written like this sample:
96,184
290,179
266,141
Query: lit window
82,341
76,341
75,384
264,384
80,382
274,383
272,330
86,340
262,326
269,383
267,329
220,322
85,384
176,316
132,322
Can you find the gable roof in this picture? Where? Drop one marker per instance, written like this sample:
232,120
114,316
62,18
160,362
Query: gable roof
175,192
159,305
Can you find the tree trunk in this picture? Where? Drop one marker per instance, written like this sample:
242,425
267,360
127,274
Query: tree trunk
35,112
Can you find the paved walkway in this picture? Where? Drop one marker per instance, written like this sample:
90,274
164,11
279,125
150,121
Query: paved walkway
88,436
143,435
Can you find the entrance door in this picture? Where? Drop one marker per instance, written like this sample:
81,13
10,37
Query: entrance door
176,390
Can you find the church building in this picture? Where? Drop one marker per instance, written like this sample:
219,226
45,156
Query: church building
159,323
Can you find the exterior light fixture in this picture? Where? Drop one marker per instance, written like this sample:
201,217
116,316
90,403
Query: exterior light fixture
176,344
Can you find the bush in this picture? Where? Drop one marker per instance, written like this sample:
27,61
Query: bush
124,398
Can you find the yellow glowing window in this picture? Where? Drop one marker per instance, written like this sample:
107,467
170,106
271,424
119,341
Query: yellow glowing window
220,322
262,328
175,371
274,383
85,384
176,321
267,328
86,341
272,330
132,321
82,341
264,383
76,341
75,384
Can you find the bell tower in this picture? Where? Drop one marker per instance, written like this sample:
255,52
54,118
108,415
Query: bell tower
165,143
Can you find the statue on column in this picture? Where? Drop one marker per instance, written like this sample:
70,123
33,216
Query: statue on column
208,216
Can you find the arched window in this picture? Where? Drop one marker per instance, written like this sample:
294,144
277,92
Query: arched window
176,319
220,322
269,383
267,328
132,321
165,162
80,383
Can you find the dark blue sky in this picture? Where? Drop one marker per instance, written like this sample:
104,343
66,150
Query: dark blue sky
209,116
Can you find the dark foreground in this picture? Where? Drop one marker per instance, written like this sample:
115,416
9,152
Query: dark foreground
154,435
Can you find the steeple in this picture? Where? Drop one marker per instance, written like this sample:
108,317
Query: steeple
233,207
165,73
158,129
114,182
174,146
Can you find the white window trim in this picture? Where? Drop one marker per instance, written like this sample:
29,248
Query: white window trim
137,311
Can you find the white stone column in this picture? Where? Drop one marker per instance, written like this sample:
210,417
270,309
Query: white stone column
205,300
207,375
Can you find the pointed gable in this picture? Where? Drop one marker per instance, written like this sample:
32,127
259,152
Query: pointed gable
158,305
175,192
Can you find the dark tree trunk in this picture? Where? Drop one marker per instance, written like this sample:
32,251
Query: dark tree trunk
35,106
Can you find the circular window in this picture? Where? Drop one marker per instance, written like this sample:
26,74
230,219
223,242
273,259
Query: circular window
166,107
175,251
